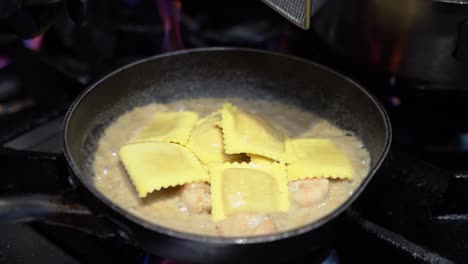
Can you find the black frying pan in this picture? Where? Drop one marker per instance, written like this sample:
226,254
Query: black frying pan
211,72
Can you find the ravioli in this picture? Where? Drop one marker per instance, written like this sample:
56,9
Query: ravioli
206,141
247,133
247,187
155,165
257,159
318,157
290,155
168,127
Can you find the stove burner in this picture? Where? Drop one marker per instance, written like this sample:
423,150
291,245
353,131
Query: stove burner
169,11
330,258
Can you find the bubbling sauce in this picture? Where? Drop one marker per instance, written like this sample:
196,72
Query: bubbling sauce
165,207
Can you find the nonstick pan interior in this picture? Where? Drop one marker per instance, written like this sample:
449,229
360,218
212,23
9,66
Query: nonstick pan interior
222,72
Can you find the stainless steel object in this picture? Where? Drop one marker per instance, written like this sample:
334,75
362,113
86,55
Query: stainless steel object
296,11
423,43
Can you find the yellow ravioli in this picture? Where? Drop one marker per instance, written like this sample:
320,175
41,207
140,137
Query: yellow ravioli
246,187
261,160
290,155
247,133
155,165
206,141
318,157
168,127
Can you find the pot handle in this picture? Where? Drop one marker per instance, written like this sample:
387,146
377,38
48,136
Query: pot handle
36,186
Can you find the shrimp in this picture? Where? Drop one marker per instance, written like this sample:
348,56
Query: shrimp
246,224
197,197
309,192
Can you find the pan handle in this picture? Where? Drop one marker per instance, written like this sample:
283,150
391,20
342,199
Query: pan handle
30,207
37,186
57,210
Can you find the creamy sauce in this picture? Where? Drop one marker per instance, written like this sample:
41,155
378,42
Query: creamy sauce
165,207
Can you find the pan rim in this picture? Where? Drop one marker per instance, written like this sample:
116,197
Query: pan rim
212,239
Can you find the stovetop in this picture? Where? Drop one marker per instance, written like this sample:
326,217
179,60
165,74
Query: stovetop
415,209
411,212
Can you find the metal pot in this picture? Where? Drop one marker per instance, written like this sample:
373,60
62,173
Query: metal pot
420,41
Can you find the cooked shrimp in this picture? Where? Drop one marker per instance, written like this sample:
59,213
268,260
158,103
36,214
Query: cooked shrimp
197,197
309,192
246,224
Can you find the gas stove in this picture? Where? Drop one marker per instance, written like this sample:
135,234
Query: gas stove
414,210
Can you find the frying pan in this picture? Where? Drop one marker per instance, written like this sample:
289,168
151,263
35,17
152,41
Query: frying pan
207,72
